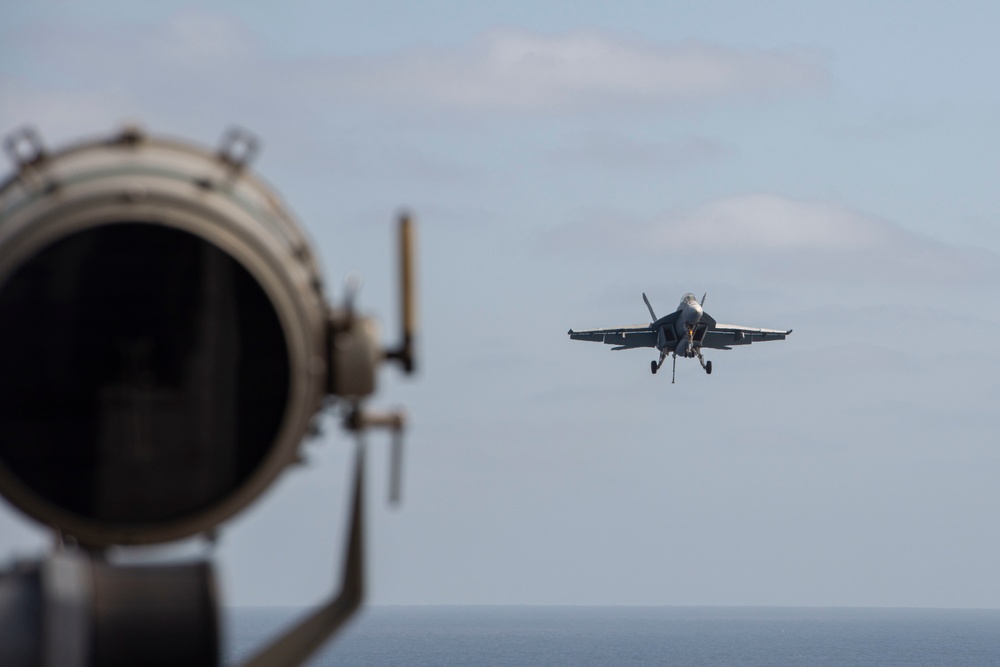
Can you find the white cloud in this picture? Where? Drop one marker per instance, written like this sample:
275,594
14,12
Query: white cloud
509,70
769,222
771,235
211,58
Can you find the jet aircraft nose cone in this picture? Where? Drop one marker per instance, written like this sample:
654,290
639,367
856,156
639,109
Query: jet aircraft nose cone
692,312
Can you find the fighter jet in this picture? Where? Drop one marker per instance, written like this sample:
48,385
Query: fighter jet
683,333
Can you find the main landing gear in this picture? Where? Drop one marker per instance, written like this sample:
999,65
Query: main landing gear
655,365
707,365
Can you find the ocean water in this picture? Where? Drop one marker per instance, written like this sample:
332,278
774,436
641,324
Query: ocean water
449,636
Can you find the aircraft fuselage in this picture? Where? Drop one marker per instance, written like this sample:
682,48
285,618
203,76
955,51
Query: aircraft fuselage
682,342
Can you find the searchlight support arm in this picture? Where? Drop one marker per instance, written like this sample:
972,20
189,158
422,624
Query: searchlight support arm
297,644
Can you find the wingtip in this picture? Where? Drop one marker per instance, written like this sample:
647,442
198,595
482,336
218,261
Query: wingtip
788,332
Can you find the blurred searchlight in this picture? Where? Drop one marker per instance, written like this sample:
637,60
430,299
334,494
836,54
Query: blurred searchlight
163,336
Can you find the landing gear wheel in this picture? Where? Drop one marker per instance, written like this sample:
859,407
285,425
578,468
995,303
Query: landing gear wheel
652,367
708,367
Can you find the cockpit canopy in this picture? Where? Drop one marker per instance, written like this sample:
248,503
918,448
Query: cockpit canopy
686,299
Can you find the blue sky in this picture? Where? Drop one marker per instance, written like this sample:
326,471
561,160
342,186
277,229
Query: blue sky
830,169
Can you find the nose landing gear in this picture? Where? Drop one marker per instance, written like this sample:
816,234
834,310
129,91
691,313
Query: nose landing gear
655,366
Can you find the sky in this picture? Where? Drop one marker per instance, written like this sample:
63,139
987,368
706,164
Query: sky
828,168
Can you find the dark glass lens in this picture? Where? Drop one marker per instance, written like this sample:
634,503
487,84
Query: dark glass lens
144,373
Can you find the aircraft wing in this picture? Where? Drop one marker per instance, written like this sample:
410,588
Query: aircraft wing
723,336
623,338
